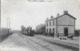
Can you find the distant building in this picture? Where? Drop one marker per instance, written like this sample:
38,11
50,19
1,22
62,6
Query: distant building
62,25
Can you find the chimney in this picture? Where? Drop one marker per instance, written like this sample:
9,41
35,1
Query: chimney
47,19
65,12
51,17
58,15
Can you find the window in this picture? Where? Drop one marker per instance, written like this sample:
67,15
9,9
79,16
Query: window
50,23
53,23
47,23
53,30
49,30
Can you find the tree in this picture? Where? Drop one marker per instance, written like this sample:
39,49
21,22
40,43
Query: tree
40,29
22,28
29,31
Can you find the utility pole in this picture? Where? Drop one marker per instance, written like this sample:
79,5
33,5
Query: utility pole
8,22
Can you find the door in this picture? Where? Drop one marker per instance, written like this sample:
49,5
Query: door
65,31
53,31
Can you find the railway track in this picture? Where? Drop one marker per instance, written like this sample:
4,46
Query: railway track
48,47
43,46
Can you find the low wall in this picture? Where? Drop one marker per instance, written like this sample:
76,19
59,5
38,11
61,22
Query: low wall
4,30
4,33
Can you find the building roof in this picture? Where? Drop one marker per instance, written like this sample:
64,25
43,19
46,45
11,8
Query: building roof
62,15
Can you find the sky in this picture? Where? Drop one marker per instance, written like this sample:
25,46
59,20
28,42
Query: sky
21,12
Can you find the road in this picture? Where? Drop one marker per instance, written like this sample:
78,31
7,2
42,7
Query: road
20,42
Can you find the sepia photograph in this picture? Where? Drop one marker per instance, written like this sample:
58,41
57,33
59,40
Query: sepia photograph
39,25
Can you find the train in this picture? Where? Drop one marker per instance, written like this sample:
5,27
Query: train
28,33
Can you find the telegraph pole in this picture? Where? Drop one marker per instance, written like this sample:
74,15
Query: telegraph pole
8,22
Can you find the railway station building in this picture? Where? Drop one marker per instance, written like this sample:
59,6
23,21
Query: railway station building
62,25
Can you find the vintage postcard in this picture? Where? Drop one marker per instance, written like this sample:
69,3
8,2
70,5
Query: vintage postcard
39,25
